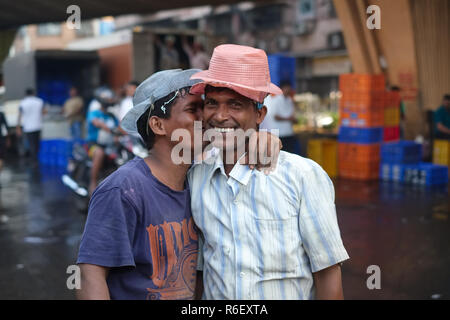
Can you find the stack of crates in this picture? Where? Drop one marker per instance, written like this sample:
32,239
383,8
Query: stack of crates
401,162
324,152
396,157
391,131
55,152
361,125
282,68
441,152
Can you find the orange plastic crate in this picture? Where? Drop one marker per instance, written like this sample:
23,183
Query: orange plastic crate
361,82
352,152
392,99
368,119
359,170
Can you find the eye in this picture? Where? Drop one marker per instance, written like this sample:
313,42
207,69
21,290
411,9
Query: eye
210,103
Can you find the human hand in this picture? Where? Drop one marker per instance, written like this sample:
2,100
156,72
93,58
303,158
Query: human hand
262,153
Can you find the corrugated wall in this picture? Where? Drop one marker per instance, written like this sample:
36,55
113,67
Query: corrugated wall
432,36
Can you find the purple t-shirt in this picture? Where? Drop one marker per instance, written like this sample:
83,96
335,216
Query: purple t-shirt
144,232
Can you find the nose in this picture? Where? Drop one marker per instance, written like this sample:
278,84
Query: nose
222,113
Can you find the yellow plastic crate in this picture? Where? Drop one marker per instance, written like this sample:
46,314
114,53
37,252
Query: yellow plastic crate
324,152
391,117
441,152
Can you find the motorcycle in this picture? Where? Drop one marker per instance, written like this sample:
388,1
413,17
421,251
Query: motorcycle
117,153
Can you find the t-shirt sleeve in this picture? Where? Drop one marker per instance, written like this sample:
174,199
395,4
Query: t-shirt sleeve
318,222
109,232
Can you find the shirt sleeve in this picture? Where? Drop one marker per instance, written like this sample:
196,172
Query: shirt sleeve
109,232
318,222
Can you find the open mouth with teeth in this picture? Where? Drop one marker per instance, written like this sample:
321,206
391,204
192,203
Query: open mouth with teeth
224,130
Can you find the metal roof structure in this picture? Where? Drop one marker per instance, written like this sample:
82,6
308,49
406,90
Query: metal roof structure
16,13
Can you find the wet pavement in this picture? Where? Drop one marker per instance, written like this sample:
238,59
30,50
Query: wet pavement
404,230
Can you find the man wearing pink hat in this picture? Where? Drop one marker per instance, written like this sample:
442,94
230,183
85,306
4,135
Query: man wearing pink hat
264,236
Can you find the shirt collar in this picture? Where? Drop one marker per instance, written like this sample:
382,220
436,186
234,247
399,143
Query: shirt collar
240,173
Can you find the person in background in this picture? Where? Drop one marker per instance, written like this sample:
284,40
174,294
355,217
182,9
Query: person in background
280,116
169,57
31,110
73,111
4,139
127,102
198,58
100,124
442,119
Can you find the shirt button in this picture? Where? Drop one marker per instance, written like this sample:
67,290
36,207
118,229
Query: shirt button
235,201
242,274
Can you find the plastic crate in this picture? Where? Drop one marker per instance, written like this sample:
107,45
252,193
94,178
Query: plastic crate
361,82
391,117
359,170
360,135
392,99
282,68
428,174
393,172
391,134
361,101
401,152
55,152
324,152
441,152
349,152
361,119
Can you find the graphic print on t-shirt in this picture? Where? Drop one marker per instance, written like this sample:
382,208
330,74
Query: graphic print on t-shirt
173,247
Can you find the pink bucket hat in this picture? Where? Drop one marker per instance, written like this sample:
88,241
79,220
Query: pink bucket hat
241,68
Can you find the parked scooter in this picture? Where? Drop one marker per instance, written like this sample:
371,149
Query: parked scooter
119,152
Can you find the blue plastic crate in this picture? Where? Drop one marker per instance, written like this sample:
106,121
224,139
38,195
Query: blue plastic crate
428,174
393,172
401,152
360,135
282,68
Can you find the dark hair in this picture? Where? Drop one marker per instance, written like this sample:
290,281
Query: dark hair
209,88
142,124
134,83
447,97
395,88
285,83
29,91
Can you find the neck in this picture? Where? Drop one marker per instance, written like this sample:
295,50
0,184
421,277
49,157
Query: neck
160,162
234,157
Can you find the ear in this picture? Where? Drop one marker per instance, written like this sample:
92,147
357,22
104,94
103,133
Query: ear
157,126
261,114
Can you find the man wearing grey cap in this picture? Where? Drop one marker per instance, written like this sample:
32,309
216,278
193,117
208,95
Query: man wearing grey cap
140,241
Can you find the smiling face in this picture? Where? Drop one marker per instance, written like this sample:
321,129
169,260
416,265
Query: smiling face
183,113
225,111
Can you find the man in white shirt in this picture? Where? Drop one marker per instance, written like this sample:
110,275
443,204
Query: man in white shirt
280,115
270,236
31,110
127,103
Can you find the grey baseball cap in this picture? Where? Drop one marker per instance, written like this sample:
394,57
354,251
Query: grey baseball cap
155,87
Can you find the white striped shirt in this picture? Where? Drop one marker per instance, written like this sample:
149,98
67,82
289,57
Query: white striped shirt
264,236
